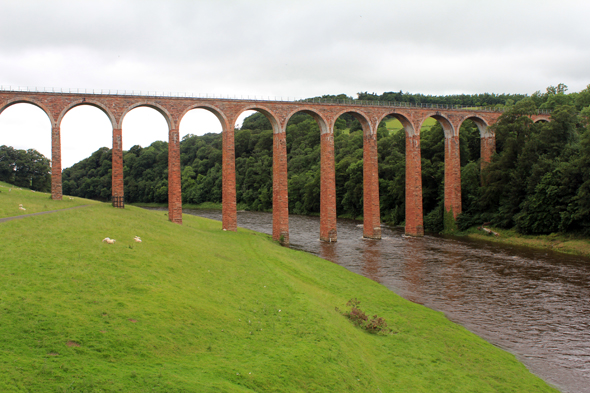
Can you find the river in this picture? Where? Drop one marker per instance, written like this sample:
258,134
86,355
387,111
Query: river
532,303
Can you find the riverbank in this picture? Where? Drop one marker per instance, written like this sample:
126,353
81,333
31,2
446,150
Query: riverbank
569,244
195,308
204,205
219,206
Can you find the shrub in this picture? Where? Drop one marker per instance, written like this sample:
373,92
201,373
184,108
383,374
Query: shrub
376,325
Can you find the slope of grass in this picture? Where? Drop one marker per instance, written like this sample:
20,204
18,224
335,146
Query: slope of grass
33,201
194,308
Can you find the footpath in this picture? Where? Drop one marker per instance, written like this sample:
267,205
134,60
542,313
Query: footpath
36,214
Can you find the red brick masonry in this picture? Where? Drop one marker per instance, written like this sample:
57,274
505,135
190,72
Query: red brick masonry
56,105
414,219
452,176
328,190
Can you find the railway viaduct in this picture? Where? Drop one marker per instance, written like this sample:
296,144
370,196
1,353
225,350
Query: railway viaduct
369,113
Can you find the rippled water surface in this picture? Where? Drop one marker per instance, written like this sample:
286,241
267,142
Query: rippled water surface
535,304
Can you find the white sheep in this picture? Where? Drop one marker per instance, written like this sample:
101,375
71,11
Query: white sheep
22,208
108,240
137,239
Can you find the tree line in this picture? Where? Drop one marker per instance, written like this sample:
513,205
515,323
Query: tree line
537,182
539,179
25,168
472,100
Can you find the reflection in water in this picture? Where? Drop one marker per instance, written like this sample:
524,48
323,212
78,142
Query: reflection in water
371,259
327,251
531,302
414,269
453,285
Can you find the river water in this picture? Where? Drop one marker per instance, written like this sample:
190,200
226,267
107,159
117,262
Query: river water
532,303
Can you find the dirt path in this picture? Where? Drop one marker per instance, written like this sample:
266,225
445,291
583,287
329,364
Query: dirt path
36,214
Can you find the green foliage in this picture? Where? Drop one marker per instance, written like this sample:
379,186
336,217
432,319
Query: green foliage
469,143
392,176
474,100
256,121
505,177
541,210
303,155
434,221
536,181
25,168
90,178
449,225
470,196
432,143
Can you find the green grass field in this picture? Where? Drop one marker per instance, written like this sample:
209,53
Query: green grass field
565,243
11,197
394,125
195,309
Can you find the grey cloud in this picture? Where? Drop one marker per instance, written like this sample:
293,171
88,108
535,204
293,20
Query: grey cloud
296,48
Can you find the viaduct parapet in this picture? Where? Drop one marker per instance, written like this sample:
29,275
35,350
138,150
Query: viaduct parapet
369,114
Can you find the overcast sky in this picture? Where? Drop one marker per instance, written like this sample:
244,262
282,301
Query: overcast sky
275,48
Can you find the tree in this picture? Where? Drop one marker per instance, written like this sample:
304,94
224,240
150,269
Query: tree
25,168
7,163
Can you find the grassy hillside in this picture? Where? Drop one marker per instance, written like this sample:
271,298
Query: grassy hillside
565,243
194,308
33,201
394,125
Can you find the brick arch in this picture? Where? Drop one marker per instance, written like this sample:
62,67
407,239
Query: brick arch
328,230
406,123
361,117
174,203
84,101
221,116
446,124
541,117
322,122
371,209
268,113
30,101
481,123
148,104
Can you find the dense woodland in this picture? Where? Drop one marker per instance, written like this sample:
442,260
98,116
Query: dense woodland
538,181
25,168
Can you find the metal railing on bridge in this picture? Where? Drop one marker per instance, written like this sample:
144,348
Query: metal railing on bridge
317,100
